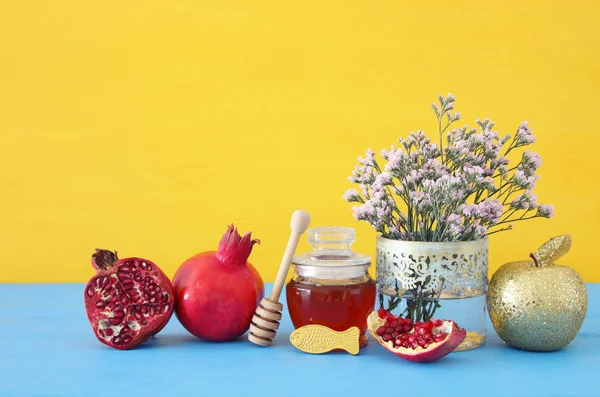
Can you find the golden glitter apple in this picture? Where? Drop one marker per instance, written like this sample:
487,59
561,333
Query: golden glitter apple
536,304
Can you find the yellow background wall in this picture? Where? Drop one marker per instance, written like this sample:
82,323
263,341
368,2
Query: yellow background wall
148,128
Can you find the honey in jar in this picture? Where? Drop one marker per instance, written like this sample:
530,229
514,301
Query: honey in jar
331,285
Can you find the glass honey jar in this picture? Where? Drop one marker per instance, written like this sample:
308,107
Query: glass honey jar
331,285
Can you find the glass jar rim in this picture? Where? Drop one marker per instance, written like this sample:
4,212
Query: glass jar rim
332,272
333,261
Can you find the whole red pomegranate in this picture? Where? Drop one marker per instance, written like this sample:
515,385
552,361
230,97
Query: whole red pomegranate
128,300
216,292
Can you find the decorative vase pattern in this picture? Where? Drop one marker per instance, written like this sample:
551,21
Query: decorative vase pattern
455,273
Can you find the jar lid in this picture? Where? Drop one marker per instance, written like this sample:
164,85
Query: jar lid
331,256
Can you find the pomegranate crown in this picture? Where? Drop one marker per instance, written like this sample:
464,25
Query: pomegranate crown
235,249
103,259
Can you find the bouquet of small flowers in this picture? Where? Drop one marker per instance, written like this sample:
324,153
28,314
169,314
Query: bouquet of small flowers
462,188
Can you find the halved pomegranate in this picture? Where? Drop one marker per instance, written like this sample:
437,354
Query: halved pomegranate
128,300
420,342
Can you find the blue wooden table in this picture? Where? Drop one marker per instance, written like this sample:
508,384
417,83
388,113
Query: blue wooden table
47,348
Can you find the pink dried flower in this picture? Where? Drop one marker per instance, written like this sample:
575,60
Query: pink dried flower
383,212
378,194
457,194
488,183
524,135
526,201
352,195
531,159
363,212
500,162
469,210
455,224
383,179
545,211
416,196
369,159
480,230
457,183
522,180
395,159
454,219
473,170
386,153
489,210
413,178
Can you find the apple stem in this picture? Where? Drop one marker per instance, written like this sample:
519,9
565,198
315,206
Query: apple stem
534,260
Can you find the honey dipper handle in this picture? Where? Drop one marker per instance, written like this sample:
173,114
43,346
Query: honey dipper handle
299,224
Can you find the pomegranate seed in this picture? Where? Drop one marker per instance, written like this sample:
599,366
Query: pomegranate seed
415,345
417,328
406,328
408,321
400,321
394,324
440,338
389,316
400,328
395,334
389,330
427,336
411,339
381,331
405,344
405,336
387,337
426,345
381,312
422,331
398,342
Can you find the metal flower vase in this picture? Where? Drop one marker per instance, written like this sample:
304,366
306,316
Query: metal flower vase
443,280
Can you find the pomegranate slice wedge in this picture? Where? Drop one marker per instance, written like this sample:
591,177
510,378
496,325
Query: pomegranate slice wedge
419,342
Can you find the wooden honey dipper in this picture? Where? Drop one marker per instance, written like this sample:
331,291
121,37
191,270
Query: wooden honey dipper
265,321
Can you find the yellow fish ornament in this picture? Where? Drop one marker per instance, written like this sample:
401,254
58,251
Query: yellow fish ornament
318,339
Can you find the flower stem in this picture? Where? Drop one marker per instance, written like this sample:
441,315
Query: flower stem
441,137
500,230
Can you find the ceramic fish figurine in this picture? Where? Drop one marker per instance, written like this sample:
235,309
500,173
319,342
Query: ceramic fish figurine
318,339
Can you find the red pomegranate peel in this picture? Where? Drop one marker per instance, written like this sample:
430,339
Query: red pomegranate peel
216,292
